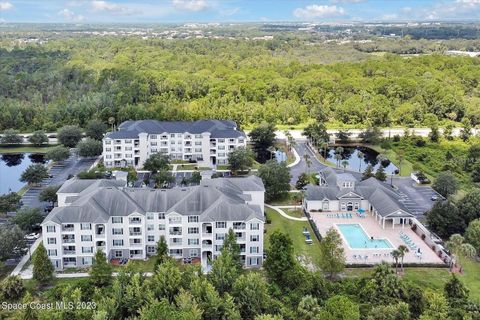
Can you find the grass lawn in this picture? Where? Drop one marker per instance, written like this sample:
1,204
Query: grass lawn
308,253
297,213
434,278
5,271
289,200
406,167
25,149
138,265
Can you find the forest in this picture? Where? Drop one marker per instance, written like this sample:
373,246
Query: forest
71,81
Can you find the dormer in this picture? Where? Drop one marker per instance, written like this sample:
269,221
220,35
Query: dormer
346,181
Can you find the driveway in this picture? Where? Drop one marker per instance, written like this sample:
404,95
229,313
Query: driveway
59,173
416,198
301,167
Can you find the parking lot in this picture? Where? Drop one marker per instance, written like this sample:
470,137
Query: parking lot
417,199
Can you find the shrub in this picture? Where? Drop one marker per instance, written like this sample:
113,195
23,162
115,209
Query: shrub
12,288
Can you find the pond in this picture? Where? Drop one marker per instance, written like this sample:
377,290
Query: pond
11,168
355,163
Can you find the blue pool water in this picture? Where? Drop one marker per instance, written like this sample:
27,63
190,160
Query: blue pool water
358,239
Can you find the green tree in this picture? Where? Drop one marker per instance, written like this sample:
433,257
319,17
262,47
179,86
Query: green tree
402,249
276,178
308,308
472,235
38,138
162,252
468,206
476,172
262,138
466,131
340,308
240,160
446,184
12,288
163,178
455,291
13,242
95,129
332,255
89,148
316,133
165,283
448,132
230,246
42,266
224,272
250,292
280,259
380,174
397,311
196,178
303,180
10,202
368,173
436,306
57,154
28,218
360,156
157,162
101,271
49,194
371,135
34,174
11,136
460,249
69,136
444,219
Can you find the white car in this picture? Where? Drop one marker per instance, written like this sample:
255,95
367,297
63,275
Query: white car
32,236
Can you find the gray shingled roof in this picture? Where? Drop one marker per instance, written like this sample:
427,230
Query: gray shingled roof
217,128
222,200
385,200
78,185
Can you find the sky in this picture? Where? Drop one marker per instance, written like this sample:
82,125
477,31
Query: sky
181,11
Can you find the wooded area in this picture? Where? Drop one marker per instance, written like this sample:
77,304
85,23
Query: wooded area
74,81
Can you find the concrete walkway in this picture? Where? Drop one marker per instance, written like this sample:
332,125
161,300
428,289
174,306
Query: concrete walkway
26,257
283,214
297,158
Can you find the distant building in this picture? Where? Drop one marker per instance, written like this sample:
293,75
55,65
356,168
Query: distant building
206,141
127,223
471,54
342,192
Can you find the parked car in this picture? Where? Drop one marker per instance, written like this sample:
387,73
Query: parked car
434,197
32,236
48,208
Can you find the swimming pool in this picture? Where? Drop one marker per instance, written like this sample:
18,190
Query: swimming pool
358,239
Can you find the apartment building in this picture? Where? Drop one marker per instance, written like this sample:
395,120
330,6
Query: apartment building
127,223
206,141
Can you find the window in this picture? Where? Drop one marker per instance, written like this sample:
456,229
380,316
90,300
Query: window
128,148
221,225
118,253
192,230
153,136
151,249
240,140
161,216
161,227
135,220
108,142
194,253
117,219
254,226
218,247
192,219
193,242
220,236
149,215
151,238
172,135
85,226
175,220
176,252
253,261
198,143
128,141
52,252
86,238
117,231
150,227
253,249
51,241
221,140
153,144
87,249
108,149
117,243
50,228
87,261
198,136
231,140
108,156
254,237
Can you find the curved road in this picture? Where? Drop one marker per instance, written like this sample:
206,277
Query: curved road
301,167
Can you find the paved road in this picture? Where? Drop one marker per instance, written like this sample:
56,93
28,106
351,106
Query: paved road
301,167
59,173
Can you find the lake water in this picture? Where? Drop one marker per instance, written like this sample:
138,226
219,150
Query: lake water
11,168
355,163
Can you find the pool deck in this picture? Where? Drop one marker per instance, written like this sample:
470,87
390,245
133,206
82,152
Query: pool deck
373,229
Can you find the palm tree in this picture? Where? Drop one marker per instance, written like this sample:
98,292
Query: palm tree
396,255
360,156
272,150
344,165
402,249
460,248
400,158
338,157
306,157
324,146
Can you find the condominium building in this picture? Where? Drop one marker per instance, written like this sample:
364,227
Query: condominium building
127,223
206,141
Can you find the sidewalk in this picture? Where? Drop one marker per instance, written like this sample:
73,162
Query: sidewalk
283,214
26,257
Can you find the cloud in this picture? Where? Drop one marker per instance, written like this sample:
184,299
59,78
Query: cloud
190,5
318,11
229,12
70,15
4,6
104,6
346,1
